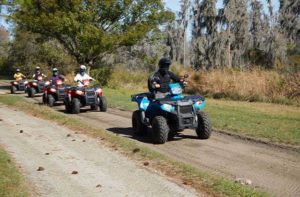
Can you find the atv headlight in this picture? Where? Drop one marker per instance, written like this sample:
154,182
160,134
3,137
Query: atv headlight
34,84
47,83
52,90
79,92
167,107
199,105
15,83
198,102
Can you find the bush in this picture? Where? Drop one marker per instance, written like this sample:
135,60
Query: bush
102,74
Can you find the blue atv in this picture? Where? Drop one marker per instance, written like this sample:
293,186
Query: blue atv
170,113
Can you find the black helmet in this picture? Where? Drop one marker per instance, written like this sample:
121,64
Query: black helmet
37,68
18,70
55,71
164,62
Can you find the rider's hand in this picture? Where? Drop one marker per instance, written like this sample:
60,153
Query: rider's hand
156,85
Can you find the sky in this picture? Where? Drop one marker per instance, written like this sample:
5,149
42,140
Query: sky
175,5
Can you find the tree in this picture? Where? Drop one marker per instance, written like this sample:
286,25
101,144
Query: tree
256,28
26,52
176,33
3,42
88,29
3,49
260,32
205,33
235,21
289,19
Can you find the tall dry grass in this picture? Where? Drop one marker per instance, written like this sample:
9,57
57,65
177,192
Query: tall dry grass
254,85
122,77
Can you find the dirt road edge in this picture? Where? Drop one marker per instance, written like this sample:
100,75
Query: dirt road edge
183,173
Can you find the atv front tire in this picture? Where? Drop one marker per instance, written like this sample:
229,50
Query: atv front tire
13,89
68,107
51,100
44,99
138,127
75,106
31,92
160,130
103,104
204,128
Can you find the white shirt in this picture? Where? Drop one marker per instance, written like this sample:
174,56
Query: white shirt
79,79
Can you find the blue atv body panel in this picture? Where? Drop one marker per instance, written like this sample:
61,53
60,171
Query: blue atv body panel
172,105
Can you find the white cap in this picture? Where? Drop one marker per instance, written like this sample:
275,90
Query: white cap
83,67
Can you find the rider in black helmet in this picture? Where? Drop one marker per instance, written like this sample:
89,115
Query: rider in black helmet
160,80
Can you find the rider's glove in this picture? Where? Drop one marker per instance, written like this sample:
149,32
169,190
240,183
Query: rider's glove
156,85
185,83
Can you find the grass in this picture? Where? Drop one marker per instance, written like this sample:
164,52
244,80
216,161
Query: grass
276,123
201,181
272,122
120,98
11,181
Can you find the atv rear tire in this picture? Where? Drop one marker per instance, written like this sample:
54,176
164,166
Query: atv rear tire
160,130
204,128
103,104
138,127
50,100
75,106
13,89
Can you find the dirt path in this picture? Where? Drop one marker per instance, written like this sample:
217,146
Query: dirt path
272,169
275,170
101,172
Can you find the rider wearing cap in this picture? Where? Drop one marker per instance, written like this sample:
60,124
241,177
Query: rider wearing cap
38,73
82,76
56,76
18,75
161,79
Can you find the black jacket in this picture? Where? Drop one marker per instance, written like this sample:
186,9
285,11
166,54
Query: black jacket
163,80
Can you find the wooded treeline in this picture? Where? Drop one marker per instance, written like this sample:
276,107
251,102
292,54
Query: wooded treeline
102,34
242,34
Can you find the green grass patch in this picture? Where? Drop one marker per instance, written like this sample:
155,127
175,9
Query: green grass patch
12,183
200,180
120,98
273,122
277,123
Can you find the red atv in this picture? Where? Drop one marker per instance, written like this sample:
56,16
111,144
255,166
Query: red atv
36,86
18,86
54,93
78,97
